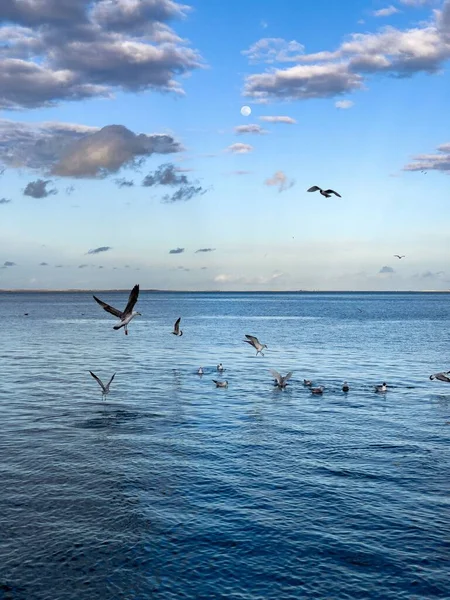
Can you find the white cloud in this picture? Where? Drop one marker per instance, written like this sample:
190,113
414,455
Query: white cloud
239,148
250,128
280,119
344,104
390,51
270,50
431,162
386,12
280,180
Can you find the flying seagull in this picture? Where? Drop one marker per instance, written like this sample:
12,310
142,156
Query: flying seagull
280,380
105,388
345,387
253,341
381,388
400,257
441,376
326,193
176,328
128,314
221,383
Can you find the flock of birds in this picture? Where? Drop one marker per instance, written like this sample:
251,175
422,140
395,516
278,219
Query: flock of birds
280,381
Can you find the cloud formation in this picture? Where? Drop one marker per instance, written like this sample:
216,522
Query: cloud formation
390,51
239,279
344,104
280,180
122,182
168,175
8,263
43,264
99,250
204,250
250,128
38,189
386,12
5,200
240,148
176,251
55,50
431,162
270,50
73,150
280,119
386,270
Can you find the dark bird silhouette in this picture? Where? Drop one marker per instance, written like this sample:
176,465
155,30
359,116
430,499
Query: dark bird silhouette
125,316
176,328
441,376
326,193
345,387
105,388
400,256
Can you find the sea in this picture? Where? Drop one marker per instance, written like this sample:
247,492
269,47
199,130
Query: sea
171,488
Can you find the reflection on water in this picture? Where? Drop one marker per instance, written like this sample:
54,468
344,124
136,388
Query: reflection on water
172,488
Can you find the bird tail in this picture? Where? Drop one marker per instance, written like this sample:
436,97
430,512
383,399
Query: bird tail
118,326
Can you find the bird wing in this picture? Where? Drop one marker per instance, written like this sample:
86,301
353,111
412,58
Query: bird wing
215,381
332,192
177,325
113,311
253,340
314,188
110,381
276,375
397,255
132,300
288,376
97,379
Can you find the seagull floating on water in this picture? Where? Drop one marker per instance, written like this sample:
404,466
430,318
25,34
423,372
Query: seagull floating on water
281,381
381,388
125,316
345,387
221,383
200,371
253,341
444,376
220,367
400,256
105,388
317,390
307,382
176,328
326,193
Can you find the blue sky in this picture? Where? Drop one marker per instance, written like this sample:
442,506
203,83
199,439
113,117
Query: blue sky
99,98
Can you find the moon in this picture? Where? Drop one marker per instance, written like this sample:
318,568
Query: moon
246,111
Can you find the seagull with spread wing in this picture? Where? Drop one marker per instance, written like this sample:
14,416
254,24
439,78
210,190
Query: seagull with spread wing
253,341
105,388
441,376
128,313
281,382
176,328
400,257
326,193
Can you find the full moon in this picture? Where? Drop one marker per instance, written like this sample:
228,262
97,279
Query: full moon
246,111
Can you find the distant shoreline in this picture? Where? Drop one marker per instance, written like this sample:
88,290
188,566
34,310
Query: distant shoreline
156,291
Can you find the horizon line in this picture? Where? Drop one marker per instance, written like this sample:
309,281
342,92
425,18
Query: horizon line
157,290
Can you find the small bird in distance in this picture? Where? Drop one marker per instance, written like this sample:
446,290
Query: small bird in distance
105,388
176,328
444,376
253,341
221,384
326,193
400,256
281,382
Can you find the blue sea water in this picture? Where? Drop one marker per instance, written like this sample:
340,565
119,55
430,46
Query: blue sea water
173,489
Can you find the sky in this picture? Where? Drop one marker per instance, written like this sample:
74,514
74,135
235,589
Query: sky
125,156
